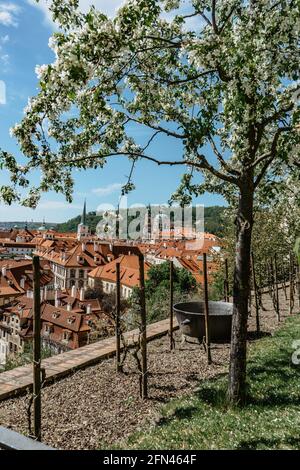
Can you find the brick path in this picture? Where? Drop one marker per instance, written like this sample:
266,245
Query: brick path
18,380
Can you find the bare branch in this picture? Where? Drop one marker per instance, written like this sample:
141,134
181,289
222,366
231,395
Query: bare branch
207,166
158,128
190,79
220,158
268,157
227,19
213,16
203,163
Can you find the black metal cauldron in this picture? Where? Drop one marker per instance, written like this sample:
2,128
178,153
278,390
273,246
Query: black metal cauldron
191,320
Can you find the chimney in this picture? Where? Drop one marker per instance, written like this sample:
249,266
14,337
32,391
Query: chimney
69,307
81,297
96,247
83,247
73,291
89,309
29,294
4,271
22,282
57,300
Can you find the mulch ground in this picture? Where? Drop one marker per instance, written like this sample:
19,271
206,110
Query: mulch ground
97,407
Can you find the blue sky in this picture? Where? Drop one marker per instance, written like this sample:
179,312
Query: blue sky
25,28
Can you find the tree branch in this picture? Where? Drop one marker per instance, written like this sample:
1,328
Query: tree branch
202,165
213,16
268,157
158,128
227,19
220,158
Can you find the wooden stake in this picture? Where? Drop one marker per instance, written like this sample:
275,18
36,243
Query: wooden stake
255,295
118,318
284,282
36,349
206,310
144,378
172,342
291,280
298,283
269,277
276,287
226,282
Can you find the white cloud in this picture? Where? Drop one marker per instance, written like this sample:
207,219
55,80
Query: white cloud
8,14
2,92
4,59
108,7
107,190
4,39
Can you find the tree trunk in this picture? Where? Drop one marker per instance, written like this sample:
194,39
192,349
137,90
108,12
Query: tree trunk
241,292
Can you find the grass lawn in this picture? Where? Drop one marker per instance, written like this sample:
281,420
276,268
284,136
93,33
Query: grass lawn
271,419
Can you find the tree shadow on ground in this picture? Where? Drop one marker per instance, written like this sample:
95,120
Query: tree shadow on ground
179,413
274,371
264,443
252,335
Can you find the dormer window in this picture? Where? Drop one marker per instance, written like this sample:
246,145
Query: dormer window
55,315
71,320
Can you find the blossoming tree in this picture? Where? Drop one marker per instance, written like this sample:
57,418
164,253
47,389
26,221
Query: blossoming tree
220,77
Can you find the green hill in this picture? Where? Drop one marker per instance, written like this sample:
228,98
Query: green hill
212,221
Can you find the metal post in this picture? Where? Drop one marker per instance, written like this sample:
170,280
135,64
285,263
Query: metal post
171,305
144,379
36,348
206,307
118,318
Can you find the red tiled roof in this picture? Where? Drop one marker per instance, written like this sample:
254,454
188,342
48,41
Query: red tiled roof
129,270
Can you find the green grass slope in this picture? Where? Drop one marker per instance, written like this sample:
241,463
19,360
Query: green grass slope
270,420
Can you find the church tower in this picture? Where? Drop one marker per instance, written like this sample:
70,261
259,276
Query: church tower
83,229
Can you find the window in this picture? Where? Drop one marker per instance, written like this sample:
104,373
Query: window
81,273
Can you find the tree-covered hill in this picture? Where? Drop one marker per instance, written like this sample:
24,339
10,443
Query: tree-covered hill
212,221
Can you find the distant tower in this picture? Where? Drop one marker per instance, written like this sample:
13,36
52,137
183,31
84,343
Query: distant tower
147,229
42,228
83,229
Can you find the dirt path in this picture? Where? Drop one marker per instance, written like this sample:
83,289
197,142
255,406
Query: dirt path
96,406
